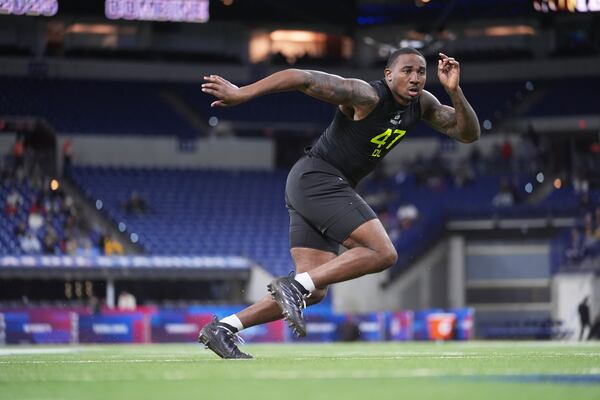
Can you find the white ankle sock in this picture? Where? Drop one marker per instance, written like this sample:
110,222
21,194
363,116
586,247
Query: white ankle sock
306,281
234,321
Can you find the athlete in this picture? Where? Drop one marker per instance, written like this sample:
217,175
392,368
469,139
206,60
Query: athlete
325,210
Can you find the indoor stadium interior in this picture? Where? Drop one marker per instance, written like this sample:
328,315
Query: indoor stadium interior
131,211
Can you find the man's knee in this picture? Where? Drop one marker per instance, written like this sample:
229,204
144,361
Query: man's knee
388,257
317,296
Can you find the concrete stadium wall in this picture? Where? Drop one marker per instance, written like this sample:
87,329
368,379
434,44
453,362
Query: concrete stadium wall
193,72
163,151
136,151
507,261
568,290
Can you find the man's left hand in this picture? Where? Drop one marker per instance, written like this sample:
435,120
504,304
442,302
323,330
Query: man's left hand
448,72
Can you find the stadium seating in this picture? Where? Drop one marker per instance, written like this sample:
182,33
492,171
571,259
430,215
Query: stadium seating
577,97
126,107
219,212
89,106
190,212
55,216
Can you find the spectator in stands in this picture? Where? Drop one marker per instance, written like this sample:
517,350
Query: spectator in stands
30,244
126,301
407,214
67,154
506,152
13,202
85,247
464,174
505,196
589,238
527,158
584,316
597,223
574,252
18,153
136,204
585,203
325,209
476,161
50,241
35,220
20,230
112,246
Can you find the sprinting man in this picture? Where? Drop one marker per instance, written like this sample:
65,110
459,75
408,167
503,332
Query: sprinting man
325,210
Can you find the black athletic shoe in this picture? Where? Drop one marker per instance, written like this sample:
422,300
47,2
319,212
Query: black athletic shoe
221,341
290,295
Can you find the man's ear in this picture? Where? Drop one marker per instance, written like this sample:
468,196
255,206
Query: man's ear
388,75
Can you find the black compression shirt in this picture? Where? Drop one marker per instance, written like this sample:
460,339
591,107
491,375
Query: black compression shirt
355,147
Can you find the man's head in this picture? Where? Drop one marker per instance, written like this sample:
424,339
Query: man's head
405,74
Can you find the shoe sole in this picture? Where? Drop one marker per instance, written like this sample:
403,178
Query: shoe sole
298,330
205,340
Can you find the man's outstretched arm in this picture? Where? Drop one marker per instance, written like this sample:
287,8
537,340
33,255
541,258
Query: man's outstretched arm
459,122
323,86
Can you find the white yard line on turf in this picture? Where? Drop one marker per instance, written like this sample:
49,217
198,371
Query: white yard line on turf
29,351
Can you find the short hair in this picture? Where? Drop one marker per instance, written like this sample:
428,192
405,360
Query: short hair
397,53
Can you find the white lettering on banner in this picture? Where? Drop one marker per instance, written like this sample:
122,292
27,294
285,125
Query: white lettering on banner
181,328
82,261
37,328
369,326
39,7
137,261
10,261
158,10
104,261
28,261
320,327
110,329
124,261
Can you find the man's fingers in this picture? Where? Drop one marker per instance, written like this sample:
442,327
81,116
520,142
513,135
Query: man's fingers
218,103
208,90
213,86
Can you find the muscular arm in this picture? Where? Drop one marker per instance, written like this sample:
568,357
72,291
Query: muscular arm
459,122
353,95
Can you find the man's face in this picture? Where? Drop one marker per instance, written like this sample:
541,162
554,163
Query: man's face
406,77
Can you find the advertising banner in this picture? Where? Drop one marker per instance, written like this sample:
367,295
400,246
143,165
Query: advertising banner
41,326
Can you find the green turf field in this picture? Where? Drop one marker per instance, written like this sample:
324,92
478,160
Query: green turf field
366,371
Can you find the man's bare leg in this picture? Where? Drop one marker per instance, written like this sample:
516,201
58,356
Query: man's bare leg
219,335
266,309
370,250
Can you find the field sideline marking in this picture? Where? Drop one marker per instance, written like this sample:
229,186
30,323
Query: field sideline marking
12,352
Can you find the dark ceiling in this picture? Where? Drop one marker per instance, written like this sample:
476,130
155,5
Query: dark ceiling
346,13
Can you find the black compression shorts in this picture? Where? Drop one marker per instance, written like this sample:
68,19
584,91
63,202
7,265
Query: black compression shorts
324,208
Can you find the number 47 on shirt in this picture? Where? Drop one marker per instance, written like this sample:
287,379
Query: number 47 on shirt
382,139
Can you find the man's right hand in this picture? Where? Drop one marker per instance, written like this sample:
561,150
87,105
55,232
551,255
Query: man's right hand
226,92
